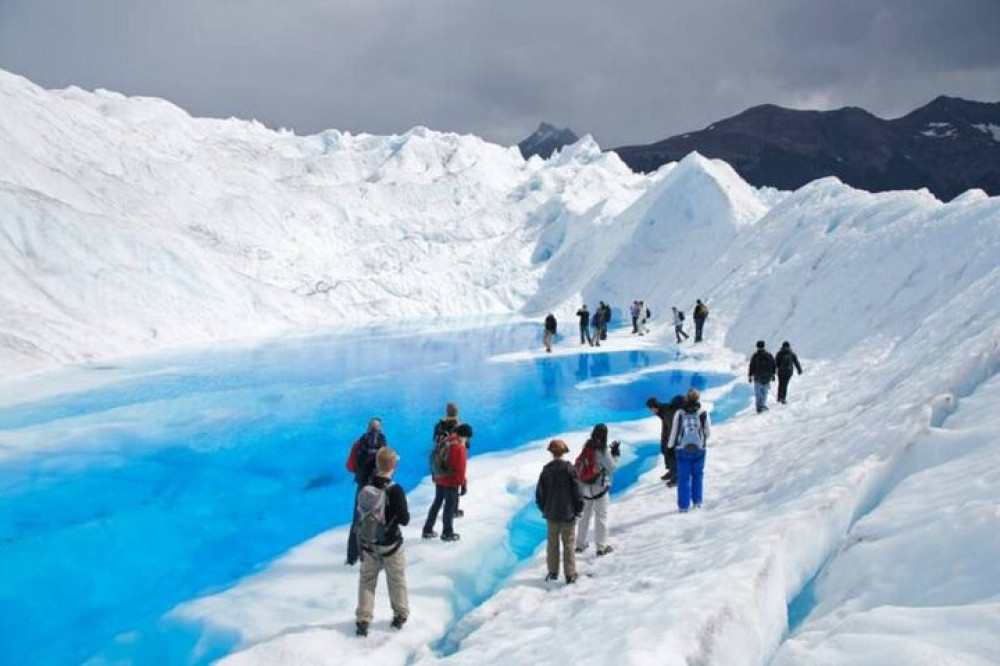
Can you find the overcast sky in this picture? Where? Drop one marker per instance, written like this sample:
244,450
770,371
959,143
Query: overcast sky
627,71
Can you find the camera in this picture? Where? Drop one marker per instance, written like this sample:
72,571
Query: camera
616,448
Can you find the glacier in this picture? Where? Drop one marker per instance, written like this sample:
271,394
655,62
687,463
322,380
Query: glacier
857,524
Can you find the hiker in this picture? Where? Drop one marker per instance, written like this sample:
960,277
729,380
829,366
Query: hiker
644,316
558,497
679,324
605,320
442,429
381,510
761,372
666,412
634,311
584,315
700,315
689,436
361,462
597,321
448,461
785,360
550,332
594,467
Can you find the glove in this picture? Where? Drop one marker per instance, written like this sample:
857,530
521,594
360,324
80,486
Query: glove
464,489
616,448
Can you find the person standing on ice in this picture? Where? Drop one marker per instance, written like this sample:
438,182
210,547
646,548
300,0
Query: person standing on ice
761,373
644,316
679,324
700,315
665,412
785,360
634,311
594,468
550,332
605,320
448,463
689,435
442,429
597,321
361,463
558,497
381,510
584,315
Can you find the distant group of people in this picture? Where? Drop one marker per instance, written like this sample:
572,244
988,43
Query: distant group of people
598,321
640,313
571,497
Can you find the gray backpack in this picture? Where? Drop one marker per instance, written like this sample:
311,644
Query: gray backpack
371,523
692,434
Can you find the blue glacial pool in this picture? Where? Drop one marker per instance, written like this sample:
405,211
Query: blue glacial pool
180,474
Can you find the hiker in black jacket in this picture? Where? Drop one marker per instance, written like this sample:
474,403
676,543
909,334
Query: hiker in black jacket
785,359
361,462
558,497
386,551
550,331
584,315
666,412
761,372
700,315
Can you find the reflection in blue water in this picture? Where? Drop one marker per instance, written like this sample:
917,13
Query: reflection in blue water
198,469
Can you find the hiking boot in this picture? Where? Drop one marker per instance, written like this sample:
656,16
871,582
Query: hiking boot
459,513
583,548
450,537
430,535
672,483
601,551
665,477
349,562
551,577
397,622
361,629
696,506
571,579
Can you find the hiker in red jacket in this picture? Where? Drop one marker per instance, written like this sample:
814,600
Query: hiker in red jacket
448,462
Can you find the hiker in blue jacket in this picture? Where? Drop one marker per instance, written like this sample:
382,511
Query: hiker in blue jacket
689,435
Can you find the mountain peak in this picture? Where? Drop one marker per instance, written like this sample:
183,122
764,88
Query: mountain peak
547,139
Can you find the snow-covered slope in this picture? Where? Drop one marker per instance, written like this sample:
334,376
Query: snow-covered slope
126,223
222,229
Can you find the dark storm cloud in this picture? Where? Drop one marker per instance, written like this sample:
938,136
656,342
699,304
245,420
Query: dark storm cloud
632,71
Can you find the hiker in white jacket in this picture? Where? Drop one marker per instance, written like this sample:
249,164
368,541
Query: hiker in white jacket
594,468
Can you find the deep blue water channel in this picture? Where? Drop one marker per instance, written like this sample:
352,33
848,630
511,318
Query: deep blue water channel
184,473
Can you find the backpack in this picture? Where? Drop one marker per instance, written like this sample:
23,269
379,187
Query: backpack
692,432
368,446
370,514
440,465
701,311
586,466
680,315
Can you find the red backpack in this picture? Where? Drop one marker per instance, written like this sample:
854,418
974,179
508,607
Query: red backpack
586,465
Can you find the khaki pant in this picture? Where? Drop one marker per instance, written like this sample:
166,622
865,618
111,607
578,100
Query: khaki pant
395,573
547,340
565,532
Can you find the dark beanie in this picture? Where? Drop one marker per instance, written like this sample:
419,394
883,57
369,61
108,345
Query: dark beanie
760,344
786,345
464,430
652,402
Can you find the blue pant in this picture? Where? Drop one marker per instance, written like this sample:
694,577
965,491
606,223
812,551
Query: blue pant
760,390
690,470
449,497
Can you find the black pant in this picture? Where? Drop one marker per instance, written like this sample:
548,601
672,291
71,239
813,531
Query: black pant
670,461
352,538
449,497
635,324
585,334
699,324
783,385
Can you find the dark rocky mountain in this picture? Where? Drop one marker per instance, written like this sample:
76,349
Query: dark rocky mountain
948,146
546,140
